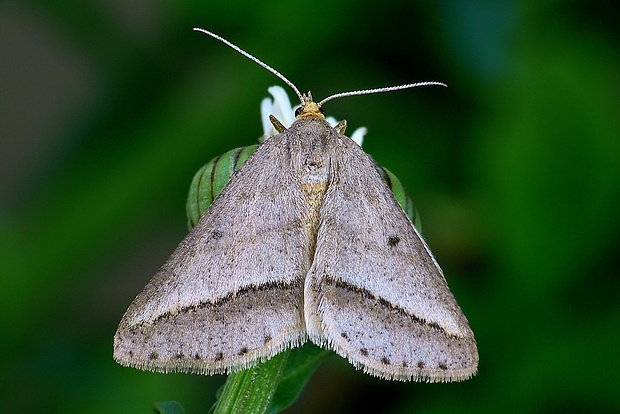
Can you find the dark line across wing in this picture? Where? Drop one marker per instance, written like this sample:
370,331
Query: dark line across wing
225,299
368,295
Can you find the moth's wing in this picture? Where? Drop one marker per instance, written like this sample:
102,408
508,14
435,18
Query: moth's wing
374,293
231,293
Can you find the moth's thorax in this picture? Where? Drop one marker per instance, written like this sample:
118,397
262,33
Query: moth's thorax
311,162
311,165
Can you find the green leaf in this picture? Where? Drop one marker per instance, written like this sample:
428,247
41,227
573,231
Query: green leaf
300,365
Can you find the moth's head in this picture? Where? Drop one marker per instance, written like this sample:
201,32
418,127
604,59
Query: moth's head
309,109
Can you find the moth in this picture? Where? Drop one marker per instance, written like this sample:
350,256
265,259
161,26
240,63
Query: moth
305,241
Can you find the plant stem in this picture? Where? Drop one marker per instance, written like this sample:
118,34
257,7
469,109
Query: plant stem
251,390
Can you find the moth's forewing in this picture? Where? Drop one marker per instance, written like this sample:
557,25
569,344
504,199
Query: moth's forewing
231,293
374,293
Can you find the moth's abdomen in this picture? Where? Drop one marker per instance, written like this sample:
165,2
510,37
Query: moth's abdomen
211,179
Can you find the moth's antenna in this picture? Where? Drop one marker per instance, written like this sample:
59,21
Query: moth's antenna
264,65
378,90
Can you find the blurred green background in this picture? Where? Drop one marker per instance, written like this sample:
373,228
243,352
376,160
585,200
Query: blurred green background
107,109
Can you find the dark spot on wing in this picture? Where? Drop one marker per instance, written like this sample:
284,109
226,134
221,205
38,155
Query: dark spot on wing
344,335
197,356
153,356
405,364
243,351
420,364
217,234
364,352
267,338
443,366
130,353
180,355
393,241
219,356
385,361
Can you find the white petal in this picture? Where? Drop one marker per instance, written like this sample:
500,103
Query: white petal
282,105
266,108
358,135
